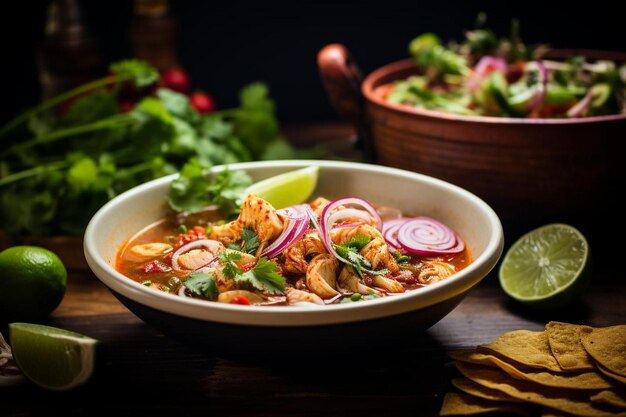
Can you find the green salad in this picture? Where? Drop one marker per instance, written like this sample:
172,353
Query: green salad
489,76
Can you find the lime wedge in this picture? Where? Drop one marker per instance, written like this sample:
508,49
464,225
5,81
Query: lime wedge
284,190
52,358
547,267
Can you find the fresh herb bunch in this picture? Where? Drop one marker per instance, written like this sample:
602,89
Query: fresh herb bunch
58,167
490,76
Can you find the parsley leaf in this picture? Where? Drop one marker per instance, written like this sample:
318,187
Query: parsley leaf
264,276
202,284
250,240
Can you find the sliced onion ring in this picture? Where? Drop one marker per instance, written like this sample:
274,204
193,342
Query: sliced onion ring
426,236
390,231
297,224
579,108
212,245
328,218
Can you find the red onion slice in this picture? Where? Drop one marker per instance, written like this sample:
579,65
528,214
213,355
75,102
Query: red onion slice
426,236
390,231
579,108
537,100
327,218
297,224
348,214
489,64
324,237
483,68
212,246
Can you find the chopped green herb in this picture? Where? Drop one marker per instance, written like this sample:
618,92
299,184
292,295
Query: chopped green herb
350,252
229,259
250,240
147,283
400,257
202,284
182,228
264,276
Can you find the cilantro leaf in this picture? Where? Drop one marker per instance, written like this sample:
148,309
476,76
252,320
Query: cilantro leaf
192,190
178,105
400,257
255,120
140,72
349,251
82,175
90,108
188,192
202,284
358,242
229,259
250,240
264,276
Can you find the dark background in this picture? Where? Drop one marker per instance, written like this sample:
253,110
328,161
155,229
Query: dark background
224,45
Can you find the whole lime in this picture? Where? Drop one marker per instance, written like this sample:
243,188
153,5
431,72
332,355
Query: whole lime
32,282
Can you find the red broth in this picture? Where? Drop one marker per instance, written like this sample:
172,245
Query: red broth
172,232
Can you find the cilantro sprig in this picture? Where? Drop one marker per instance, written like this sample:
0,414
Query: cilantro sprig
57,168
202,284
264,276
350,252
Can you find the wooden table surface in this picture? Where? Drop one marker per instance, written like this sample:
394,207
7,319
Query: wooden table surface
145,372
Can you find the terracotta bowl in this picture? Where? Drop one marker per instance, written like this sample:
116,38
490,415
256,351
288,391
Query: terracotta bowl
226,326
531,171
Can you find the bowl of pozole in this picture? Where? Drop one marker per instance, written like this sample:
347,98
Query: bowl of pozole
374,249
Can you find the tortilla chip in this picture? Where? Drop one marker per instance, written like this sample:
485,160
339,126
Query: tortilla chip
455,404
614,398
568,401
565,344
585,380
607,346
525,348
611,374
470,387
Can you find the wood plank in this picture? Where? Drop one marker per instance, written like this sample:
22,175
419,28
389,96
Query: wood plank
146,372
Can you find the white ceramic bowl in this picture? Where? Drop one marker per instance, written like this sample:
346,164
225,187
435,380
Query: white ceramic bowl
190,318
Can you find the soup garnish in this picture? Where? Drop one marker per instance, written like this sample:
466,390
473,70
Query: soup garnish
323,252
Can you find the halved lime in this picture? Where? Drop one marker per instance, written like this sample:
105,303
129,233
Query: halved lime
547,267
284,190
52,358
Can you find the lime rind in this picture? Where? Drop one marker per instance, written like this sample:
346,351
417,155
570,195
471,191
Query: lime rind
54,359
547,266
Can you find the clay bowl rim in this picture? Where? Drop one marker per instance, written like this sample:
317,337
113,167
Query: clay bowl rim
390,73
